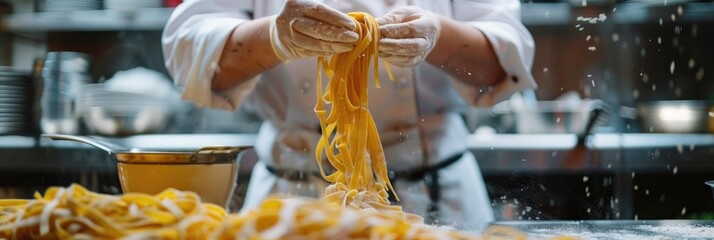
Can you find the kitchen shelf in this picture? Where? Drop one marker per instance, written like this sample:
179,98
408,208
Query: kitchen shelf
496,151
154,19
554,14
532,14
146,19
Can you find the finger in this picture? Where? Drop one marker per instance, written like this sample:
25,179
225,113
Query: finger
399,30
404,61
331,16
322,31
403,47
310,53
306,42
388,19
304,53
394,16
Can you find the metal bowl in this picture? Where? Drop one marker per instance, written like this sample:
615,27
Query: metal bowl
122,122
683,116
210,171
549,117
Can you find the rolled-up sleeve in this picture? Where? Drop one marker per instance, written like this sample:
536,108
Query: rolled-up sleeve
193,41
499,21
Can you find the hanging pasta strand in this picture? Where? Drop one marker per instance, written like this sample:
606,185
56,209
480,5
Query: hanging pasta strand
350,140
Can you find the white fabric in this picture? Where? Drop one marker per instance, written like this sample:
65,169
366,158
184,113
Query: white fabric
415,113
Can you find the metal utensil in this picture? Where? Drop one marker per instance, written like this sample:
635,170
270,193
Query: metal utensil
62,73
681,116
576,117
211,172
204,155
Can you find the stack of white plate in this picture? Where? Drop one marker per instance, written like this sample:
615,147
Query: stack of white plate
72,5
131,4
16,115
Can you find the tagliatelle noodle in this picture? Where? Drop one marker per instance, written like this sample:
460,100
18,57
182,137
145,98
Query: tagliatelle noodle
75,212
350,140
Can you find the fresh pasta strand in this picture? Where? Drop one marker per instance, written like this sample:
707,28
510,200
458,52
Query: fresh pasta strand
350,140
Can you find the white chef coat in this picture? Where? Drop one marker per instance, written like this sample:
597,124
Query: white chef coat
415,113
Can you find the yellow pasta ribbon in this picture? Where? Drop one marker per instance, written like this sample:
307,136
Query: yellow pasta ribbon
350,140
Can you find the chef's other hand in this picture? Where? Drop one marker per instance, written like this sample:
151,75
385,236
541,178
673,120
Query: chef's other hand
407,35
305,28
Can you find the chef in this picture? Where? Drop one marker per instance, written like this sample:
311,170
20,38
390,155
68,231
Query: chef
445,55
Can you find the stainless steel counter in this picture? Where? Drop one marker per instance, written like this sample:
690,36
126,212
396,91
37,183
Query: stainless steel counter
607,141
618,229
616,176
475,141
499,151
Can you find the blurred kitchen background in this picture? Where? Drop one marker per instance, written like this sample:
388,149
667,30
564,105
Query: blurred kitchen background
619,128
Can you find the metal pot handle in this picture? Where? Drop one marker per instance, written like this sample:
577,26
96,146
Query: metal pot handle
111,148
598,115
217,153
220,149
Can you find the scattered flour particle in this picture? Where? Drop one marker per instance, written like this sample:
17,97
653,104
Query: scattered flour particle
699,75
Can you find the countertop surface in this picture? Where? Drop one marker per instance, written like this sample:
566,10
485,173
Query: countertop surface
502,151
615,229
475,141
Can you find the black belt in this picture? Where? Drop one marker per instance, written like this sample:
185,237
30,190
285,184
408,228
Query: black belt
409,175
292,175
429,174
421,173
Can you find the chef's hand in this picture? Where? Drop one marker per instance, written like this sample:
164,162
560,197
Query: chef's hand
407,35
306,28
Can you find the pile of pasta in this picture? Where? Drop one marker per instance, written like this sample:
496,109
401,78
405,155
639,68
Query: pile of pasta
77,213
350,140
298,218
